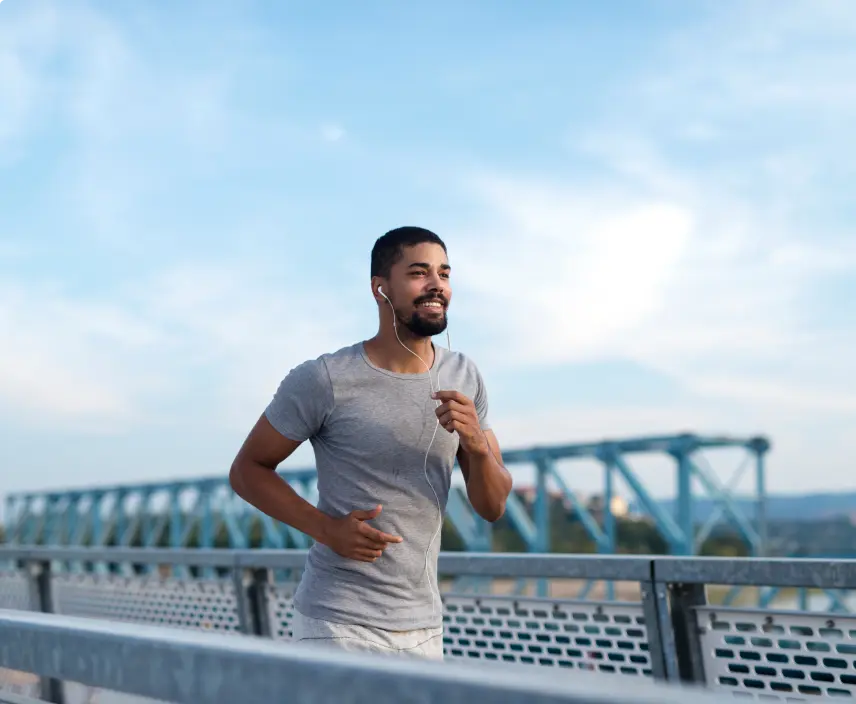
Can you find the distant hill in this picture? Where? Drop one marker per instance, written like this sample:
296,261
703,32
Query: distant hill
790,507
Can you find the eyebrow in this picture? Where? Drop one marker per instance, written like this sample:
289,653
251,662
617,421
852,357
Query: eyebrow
426,265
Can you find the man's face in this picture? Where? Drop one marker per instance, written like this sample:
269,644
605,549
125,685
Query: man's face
421,291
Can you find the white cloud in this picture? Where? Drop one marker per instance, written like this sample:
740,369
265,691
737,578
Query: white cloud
226,332
244,323
59,357
26,42
699,265
575,274
130,354
332,132
777,394
693,266
673,282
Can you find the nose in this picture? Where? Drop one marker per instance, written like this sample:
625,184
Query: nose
438,288
437,285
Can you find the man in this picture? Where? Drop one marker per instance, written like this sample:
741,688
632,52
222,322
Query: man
385,445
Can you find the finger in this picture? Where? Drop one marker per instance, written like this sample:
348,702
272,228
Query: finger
447,395
451,396
368,537
369,555
359,557
453,419
364,542
378,535
367,515
452,405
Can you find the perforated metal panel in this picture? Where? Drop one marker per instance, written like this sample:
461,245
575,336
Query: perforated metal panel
207,605
609,638
777,654
280,603
14,591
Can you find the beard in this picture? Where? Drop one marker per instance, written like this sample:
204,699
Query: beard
420,326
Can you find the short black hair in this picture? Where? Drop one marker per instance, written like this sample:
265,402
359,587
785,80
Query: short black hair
388,248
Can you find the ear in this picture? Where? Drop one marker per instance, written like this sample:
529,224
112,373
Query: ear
377,290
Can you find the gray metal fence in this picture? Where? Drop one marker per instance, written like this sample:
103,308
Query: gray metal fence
669,627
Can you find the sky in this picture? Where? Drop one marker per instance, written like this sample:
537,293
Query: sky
648,207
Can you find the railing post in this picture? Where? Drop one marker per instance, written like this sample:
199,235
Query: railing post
252,600
683,598
661,643
246,618
41,599
258,596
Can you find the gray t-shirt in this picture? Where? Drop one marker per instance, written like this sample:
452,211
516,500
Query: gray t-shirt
370,429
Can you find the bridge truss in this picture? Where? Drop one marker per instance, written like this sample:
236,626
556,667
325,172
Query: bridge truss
206,513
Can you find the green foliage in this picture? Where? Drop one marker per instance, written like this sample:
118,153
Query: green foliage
724,545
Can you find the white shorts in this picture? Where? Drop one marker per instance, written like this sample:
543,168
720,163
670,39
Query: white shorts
421,643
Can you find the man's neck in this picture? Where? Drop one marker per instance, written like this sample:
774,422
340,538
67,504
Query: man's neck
385,351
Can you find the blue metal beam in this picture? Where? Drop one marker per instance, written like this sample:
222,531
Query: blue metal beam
679,542
588,521
206,508
520,520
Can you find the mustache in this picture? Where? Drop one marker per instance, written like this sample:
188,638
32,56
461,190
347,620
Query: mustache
432,297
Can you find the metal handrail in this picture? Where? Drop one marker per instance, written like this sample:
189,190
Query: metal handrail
186,667
743,571
522,565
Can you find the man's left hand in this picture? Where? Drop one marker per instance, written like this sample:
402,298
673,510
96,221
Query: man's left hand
457,413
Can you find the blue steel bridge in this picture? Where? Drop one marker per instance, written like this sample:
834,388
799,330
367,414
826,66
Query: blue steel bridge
205,512
76,612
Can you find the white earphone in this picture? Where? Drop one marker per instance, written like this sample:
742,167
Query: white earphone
434,435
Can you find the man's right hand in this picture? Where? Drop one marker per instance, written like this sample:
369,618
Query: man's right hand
351,537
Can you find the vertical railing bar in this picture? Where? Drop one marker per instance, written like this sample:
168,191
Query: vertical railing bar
661,634
259,601
660,644
683,600
41,599
246,617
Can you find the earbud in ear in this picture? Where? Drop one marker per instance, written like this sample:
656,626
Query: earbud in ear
380,291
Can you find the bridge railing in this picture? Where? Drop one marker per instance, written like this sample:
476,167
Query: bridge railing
172,665
671,626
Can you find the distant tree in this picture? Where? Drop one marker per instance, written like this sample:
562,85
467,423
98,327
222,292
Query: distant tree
723,544
637,537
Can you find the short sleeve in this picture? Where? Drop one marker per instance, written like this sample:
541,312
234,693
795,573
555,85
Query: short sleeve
302,402
480,402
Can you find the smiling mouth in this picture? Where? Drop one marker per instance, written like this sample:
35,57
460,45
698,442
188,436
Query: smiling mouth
433,305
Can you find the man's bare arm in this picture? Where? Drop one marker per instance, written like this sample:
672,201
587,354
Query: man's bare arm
253,478
488,481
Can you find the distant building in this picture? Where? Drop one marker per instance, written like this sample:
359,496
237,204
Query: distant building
594,503
618,506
